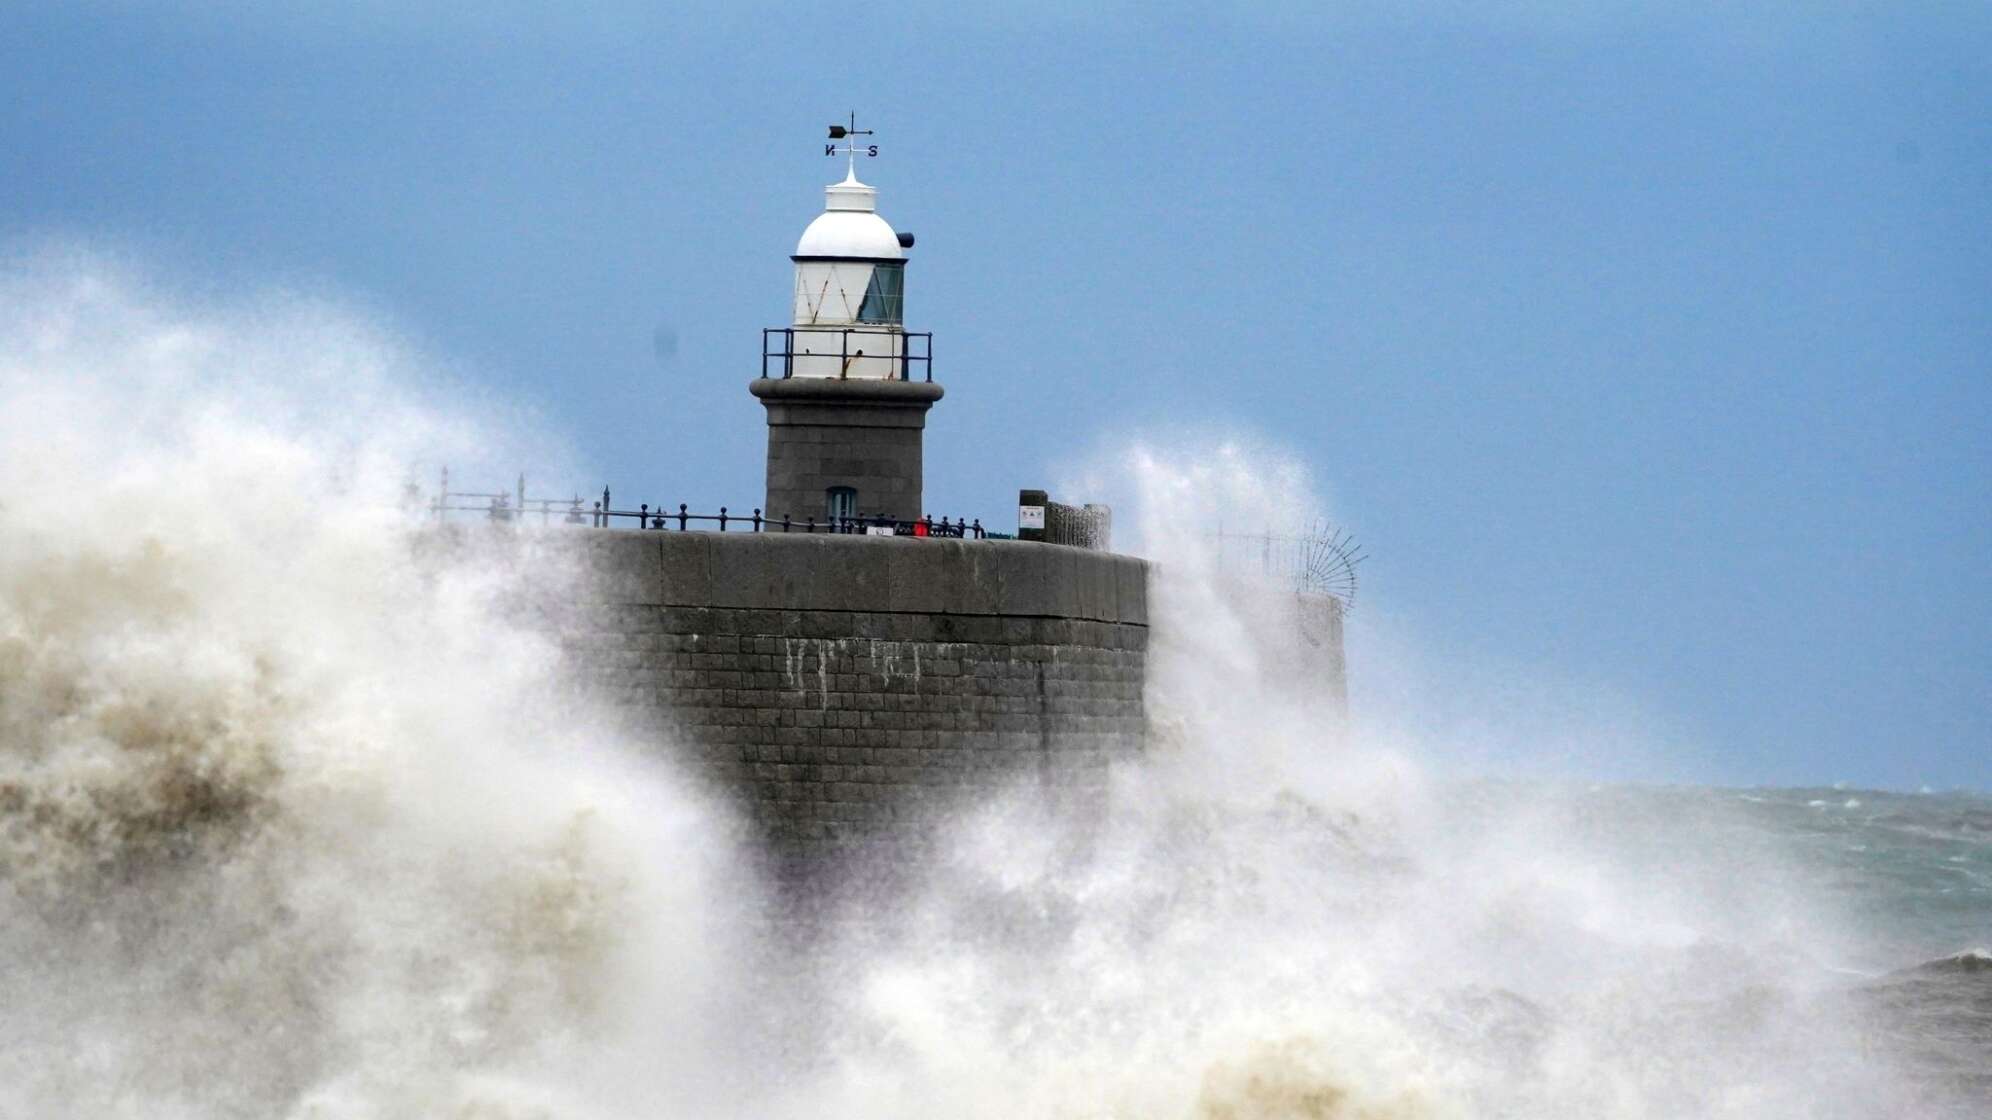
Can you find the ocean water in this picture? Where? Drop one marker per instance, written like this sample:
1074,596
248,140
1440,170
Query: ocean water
1905,880
298,818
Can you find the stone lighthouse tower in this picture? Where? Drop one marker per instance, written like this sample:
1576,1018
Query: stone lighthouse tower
846,386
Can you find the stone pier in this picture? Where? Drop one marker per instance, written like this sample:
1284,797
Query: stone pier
849,691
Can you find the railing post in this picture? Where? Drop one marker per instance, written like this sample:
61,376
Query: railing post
785,522
682,517
757,519
643,515
722,519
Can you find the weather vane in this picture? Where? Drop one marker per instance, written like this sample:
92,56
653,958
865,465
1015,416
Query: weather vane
850,132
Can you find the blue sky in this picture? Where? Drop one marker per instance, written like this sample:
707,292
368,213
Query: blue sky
1647,347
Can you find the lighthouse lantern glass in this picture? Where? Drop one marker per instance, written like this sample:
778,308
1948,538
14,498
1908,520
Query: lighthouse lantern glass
885,296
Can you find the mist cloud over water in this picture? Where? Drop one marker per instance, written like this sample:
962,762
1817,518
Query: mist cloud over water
302,818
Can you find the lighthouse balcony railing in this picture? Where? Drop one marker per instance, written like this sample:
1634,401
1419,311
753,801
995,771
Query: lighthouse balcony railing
904,355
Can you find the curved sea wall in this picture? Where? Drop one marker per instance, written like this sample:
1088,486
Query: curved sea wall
850,691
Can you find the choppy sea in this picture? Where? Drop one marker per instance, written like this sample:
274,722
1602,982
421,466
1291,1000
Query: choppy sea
1915,872
1905,880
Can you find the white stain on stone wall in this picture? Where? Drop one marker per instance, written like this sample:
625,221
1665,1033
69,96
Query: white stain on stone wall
795,664
792,651
896,660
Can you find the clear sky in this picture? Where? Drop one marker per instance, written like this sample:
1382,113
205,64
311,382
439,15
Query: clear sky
1646,346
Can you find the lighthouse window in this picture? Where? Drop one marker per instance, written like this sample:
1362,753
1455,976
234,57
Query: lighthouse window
885,296
843,503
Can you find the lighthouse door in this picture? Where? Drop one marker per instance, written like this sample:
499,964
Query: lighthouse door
843,503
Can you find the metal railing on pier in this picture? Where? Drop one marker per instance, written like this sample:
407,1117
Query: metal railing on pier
498,505
517,505
1320,560
682,520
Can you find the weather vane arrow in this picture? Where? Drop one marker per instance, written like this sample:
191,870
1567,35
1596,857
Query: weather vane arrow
850,132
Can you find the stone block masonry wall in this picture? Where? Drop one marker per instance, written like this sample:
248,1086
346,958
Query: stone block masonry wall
850,692
865,435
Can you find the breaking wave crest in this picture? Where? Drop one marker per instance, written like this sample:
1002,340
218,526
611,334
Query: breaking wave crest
290,824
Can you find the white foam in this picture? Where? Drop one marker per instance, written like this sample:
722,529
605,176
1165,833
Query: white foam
308,830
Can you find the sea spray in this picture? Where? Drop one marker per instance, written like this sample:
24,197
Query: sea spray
294,820
298,819
1281,913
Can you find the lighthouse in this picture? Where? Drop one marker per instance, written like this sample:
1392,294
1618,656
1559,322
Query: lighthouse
846,386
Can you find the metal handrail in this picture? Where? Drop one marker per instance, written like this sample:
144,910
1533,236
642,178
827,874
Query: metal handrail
499,506
515,506
907,358
661,518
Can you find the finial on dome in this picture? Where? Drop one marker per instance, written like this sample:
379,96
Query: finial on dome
851,150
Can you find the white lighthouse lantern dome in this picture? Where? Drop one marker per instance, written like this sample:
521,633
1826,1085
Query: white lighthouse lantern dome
850,227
